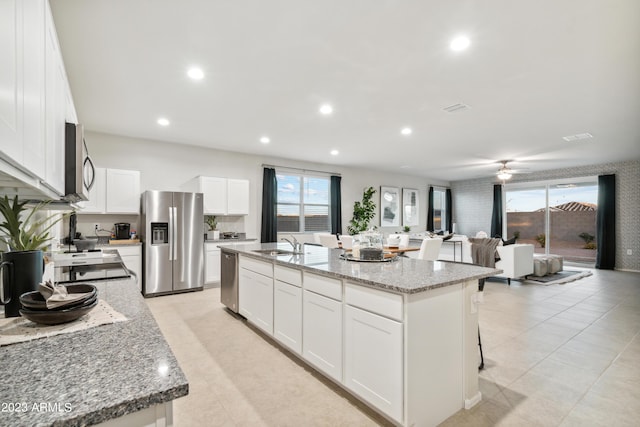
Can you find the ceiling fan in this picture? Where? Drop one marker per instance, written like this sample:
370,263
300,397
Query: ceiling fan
505,172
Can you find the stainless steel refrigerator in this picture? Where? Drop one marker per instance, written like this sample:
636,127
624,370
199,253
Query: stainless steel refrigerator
173,234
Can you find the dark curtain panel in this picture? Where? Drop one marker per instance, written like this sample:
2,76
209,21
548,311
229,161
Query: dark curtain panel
269,229
430,211
336,205
449,219
496,216
606,223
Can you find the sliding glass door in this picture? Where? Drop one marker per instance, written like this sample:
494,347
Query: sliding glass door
557,217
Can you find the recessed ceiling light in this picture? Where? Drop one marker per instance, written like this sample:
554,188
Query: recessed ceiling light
265,140
406,131
334,152
326,109
195,73
163,122
460,43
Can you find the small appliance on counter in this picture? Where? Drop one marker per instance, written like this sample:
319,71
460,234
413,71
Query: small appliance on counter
123,230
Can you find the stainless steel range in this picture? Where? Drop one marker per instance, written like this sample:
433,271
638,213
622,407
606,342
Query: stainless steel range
89,266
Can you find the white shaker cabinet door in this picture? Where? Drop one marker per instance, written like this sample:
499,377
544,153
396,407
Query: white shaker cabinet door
373,360
212,264
215,195
287,315
10,81
322,333
255,297
123,191
55,105
237,197
97,196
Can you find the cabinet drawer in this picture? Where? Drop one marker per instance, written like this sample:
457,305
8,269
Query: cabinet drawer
262,267
287,275
128,251
326,286
379,302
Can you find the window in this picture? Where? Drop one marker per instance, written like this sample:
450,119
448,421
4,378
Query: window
440,209
303,203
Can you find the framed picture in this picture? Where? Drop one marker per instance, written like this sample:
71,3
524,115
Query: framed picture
410,207
389,207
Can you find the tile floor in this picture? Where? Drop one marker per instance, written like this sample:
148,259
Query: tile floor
557,355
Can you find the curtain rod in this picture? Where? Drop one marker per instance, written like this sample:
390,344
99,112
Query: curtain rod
301,170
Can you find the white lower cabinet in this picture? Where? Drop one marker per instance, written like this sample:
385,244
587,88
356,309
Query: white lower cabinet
373,360
322,333
255,295
132,259
287,315
211,263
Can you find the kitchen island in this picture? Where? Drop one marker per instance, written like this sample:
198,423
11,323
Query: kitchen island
402,336
122,373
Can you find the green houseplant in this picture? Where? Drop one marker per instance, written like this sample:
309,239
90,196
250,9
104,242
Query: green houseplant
363,212
24,234
212,224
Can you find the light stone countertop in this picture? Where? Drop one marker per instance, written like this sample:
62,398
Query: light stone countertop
101,373
403,275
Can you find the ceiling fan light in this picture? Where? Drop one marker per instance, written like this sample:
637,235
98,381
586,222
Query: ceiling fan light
504,175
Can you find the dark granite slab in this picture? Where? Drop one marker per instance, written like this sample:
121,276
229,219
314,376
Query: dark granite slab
403,275
94,375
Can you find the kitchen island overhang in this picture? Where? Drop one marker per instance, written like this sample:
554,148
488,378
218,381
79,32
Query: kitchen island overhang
104,373
416,319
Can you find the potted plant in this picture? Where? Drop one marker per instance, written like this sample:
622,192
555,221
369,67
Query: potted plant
212,223
363,212
24,235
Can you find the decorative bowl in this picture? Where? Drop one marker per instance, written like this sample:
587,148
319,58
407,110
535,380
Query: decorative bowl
56,317
35,301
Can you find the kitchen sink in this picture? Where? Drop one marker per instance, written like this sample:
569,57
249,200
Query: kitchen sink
275,252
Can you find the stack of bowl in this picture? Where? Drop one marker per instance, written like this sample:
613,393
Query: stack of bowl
34,305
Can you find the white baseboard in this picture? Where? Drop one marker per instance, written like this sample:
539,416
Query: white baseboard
470,403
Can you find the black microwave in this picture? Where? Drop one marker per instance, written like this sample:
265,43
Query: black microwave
79,175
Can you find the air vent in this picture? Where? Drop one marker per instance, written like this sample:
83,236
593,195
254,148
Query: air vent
577,137
455,108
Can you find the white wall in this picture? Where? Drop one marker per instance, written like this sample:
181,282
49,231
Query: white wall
166,166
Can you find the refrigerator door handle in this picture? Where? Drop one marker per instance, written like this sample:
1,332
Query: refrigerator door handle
175,233
170,231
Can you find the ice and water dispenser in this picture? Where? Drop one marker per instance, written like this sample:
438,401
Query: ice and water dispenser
159,233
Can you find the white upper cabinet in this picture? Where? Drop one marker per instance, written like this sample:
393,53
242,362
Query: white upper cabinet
34,142
11,80
237,197
34,94
114,191
222,196
55,108
123,191
97,202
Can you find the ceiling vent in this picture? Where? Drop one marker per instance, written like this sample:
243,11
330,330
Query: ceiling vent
455,108
577,137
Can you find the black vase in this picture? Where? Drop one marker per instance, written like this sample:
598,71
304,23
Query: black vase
21,272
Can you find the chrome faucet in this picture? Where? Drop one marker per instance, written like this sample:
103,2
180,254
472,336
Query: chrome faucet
297,246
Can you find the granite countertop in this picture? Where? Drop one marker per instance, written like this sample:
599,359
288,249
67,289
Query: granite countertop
403,275
93,375
230,241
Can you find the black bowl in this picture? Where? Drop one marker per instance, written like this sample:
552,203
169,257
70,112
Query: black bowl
57,317
35,301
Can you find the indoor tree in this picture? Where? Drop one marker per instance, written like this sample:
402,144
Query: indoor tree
363,212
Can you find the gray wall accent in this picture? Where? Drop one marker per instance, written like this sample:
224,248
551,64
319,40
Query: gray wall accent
473,200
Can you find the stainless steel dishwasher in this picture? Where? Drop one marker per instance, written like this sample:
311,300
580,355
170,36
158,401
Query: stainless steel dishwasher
229,280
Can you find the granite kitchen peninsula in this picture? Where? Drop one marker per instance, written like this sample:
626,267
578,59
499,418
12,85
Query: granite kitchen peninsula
402,336
122,373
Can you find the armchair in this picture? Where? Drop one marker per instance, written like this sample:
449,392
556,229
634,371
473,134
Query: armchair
515,260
